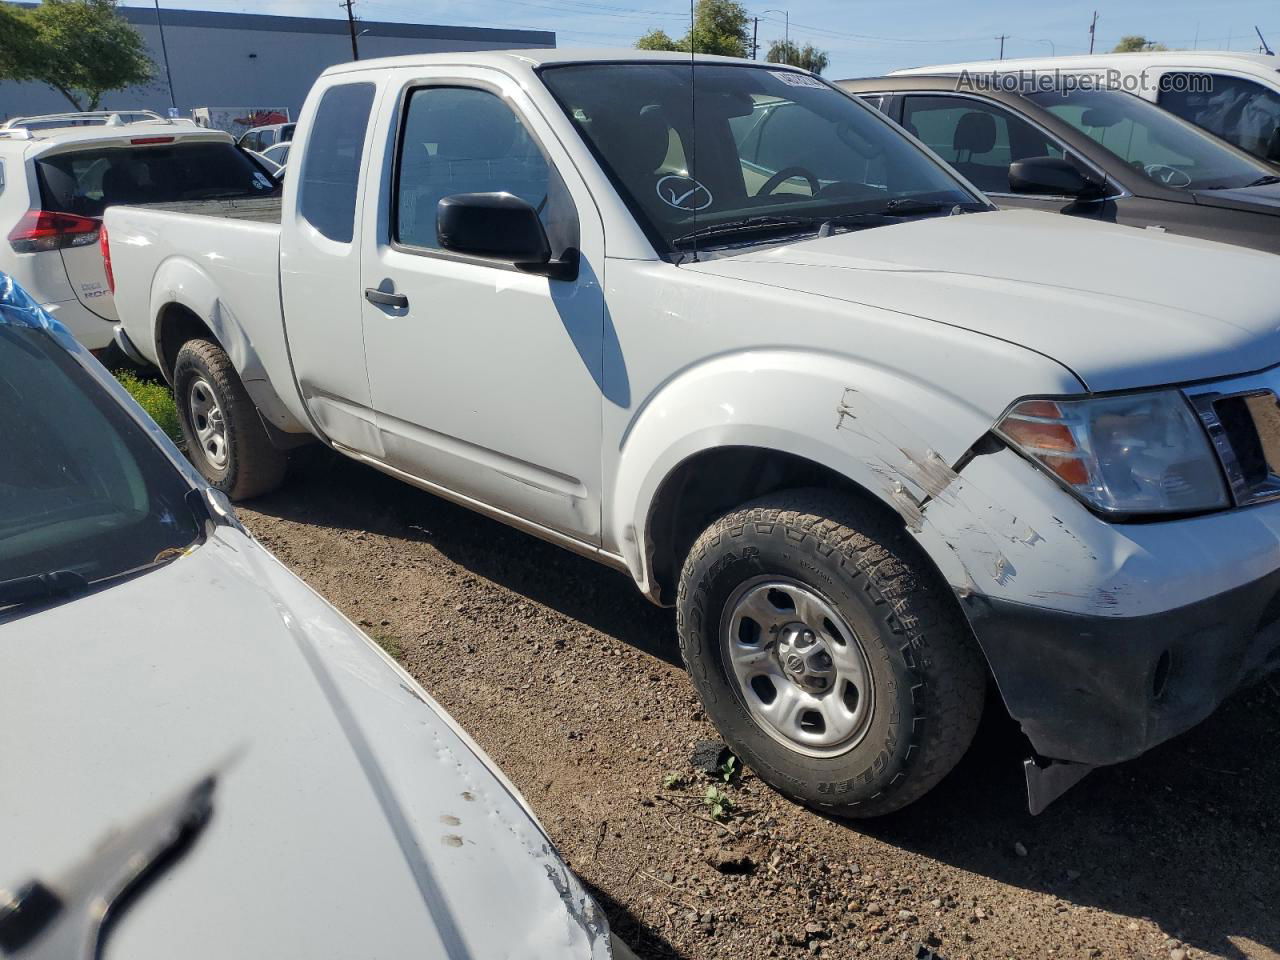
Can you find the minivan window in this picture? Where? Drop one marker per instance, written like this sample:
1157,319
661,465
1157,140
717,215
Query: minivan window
1161,147
87,181
1239,111
83,487
465,140
330,172
690,157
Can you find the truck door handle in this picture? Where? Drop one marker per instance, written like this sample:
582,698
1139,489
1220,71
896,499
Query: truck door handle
382,299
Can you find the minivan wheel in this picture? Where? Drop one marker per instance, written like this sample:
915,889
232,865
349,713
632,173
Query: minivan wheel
828,653
225,438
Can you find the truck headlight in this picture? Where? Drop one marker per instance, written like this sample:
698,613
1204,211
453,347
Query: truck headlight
1142,453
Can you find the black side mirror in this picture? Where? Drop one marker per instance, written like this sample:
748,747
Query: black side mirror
502,227
1051,175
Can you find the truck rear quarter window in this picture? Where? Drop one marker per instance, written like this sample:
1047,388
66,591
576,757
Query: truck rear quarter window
331,161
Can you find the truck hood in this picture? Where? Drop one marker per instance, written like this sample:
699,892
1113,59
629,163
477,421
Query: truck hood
1120,307
356,819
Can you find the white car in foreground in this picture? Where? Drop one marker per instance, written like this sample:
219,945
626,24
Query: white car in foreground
59,173
199,747
875,439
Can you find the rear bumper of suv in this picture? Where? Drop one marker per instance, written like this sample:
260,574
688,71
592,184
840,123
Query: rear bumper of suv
89,329
1101,690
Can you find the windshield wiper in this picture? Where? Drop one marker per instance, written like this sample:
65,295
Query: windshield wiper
41,586
1262,181
747,225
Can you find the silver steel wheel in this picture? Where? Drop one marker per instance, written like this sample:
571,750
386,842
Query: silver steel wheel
800,669
207,421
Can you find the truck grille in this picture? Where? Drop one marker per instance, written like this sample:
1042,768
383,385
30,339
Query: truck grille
1243,420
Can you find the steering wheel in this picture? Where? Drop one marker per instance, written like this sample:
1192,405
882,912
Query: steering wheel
789,173
1169,176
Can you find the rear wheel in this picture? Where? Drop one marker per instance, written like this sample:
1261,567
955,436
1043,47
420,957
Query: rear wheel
225,438
827,652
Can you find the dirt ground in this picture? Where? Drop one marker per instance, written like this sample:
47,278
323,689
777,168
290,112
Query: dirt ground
571,681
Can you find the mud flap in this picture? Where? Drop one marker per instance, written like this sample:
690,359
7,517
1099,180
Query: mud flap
1049,780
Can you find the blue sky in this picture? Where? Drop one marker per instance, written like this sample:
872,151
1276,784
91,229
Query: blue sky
863,37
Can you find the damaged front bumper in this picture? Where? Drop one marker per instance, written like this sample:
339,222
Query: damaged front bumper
1098,690
1105,639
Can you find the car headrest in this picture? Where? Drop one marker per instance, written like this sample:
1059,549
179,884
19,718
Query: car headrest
637,143
976,132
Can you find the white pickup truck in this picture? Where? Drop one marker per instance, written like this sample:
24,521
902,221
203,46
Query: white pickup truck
729,330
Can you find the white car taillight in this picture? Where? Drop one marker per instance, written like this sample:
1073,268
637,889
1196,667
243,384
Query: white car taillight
41,230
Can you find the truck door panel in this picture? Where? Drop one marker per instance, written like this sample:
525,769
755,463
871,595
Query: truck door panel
487,382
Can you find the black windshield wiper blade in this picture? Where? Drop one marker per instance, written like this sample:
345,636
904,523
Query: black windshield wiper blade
1264,180
41,586
748,225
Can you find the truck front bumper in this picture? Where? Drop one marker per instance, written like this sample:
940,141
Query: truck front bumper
1106,639
1100,690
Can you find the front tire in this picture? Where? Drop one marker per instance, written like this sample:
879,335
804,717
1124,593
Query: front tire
225,438
828,653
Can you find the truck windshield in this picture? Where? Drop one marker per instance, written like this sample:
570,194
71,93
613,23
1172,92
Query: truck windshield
86,182
1165,149
755,148
85,493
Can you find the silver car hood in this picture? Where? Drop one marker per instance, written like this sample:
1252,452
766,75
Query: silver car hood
1120,307
356,821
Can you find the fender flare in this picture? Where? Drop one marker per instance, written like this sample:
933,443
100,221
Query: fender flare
893,435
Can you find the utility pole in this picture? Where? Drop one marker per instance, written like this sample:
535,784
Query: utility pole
755,32
164,55
351,26
1002,38
1093,30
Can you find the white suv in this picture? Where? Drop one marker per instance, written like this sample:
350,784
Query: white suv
59,173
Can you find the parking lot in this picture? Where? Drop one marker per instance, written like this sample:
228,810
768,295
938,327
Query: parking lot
572,683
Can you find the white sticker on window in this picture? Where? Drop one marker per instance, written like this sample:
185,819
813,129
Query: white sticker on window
798,79
683,193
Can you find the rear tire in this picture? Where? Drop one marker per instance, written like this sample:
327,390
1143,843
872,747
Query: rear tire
225,438
828,653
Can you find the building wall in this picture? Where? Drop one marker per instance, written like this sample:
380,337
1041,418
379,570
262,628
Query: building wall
245,60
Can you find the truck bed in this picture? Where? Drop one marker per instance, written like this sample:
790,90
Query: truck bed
252,209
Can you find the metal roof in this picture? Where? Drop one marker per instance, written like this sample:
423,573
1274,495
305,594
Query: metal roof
209,19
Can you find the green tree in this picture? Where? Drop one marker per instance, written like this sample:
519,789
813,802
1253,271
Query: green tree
789,52
719,27
81,48
1135,43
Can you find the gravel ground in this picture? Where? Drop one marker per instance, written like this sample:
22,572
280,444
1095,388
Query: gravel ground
571,681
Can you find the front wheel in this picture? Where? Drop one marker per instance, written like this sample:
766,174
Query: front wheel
827,652
225,438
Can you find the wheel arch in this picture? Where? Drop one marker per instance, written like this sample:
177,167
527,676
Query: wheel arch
186,306
748,425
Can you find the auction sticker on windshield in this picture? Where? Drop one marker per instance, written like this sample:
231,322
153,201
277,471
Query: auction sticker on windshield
683,193
798,79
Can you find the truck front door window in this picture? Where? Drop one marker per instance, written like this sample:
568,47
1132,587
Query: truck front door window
331,164
464,140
